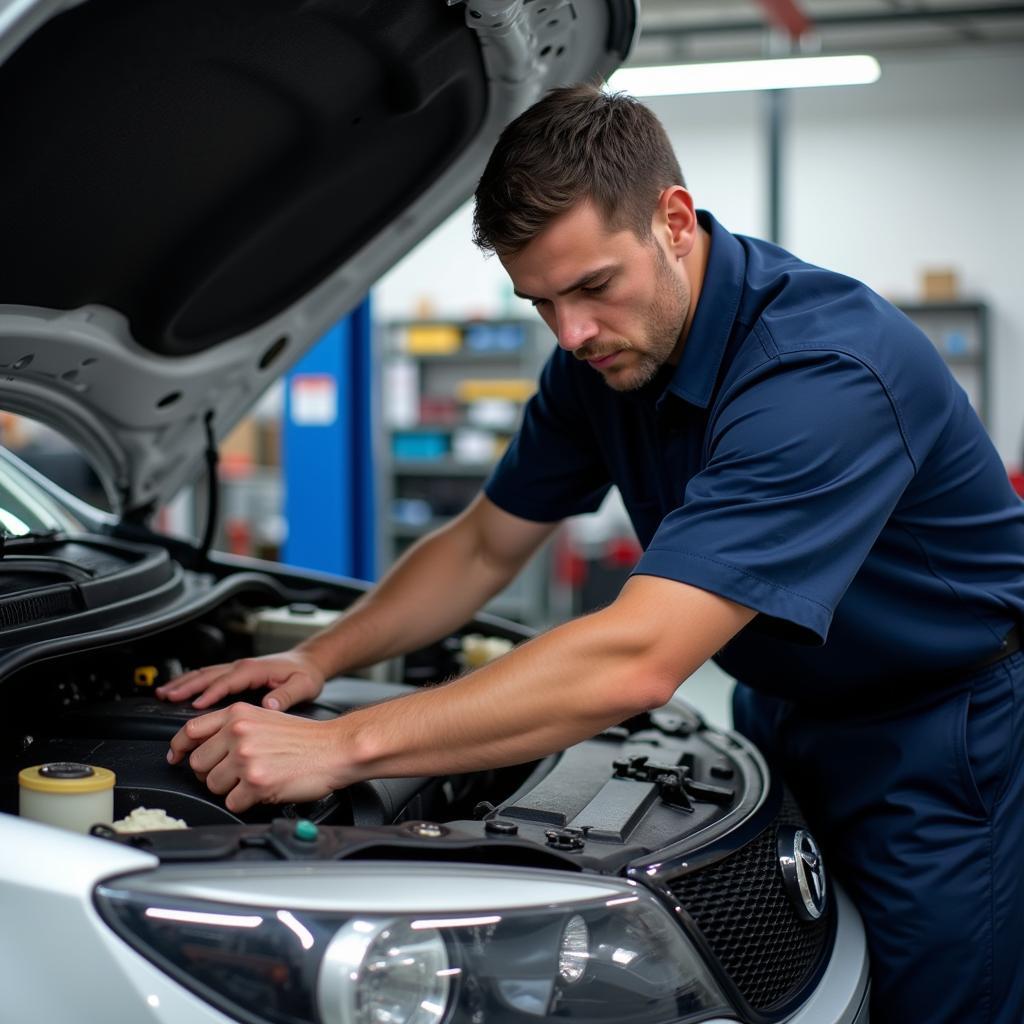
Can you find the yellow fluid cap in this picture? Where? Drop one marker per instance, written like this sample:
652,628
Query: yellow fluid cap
66,777
145,675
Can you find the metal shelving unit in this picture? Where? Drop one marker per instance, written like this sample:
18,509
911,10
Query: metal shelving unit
442,433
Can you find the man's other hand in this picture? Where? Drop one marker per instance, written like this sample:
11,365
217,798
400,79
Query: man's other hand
292,677
250,755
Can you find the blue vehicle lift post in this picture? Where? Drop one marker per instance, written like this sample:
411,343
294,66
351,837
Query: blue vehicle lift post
327,453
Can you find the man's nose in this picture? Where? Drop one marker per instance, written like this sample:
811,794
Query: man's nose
574,329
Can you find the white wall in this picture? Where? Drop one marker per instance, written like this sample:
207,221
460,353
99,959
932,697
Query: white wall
447,276
924,168
721,144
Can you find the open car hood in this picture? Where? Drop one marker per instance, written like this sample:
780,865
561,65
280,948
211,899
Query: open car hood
194,191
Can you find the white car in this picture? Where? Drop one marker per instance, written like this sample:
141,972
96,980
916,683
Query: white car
192,193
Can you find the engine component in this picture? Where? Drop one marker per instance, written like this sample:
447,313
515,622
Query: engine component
67,794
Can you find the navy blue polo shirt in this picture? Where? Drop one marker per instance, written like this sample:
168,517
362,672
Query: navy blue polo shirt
810,457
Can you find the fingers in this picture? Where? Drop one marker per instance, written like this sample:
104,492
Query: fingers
214,683
241,798
218,754
299,686
191,683
251,755
239,679
194,732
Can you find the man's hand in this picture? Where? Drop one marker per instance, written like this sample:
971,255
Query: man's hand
251,755
545,695
292,677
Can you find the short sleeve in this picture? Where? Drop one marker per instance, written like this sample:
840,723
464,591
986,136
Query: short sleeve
806,463
553,467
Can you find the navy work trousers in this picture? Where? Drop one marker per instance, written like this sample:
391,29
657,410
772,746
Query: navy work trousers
920,815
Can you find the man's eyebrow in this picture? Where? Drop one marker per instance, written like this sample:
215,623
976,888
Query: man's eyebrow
582,282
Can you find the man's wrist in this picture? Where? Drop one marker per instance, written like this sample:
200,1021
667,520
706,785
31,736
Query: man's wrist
351,754
319,658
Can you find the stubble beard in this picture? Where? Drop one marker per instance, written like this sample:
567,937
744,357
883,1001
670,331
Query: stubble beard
666,319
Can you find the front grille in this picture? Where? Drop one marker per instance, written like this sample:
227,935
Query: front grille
741,908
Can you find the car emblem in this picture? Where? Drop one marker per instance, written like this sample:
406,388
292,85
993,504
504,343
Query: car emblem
803,871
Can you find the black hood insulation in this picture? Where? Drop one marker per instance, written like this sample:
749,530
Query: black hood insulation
199,165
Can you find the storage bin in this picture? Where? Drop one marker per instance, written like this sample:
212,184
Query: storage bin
419,446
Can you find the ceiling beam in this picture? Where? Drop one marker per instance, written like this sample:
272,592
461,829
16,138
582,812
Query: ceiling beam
947,16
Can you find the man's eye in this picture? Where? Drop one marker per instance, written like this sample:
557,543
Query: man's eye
595,289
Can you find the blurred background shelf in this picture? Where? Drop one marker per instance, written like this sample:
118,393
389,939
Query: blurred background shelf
452,395
440,467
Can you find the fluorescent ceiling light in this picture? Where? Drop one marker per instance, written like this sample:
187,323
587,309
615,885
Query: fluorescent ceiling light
746,75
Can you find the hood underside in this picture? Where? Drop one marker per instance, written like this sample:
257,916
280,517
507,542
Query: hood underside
195,190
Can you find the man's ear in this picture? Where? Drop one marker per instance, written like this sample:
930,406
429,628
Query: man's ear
675,220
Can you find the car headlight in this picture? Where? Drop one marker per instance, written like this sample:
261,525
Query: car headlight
544,946
383,972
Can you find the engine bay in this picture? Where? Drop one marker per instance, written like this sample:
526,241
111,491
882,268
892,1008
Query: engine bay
97,707
650,782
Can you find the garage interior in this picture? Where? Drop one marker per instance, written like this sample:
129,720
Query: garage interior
241,782
910,183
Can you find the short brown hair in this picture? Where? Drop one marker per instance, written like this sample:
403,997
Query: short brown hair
575,143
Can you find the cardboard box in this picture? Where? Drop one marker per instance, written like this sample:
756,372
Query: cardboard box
239,451
939,284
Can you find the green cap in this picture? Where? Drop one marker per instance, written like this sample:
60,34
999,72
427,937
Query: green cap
306,830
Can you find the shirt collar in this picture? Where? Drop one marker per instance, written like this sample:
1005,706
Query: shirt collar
695,376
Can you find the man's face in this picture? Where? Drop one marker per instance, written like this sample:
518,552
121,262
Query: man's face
612,299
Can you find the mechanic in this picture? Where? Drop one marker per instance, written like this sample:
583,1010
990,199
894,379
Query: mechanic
820,510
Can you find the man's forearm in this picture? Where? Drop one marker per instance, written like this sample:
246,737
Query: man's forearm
552,692
433,589
555,690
